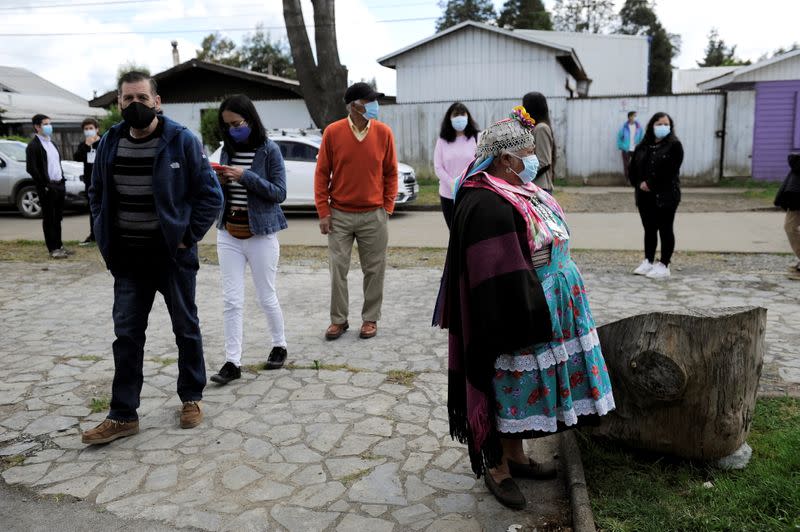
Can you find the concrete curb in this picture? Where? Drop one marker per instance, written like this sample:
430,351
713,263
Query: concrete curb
582,516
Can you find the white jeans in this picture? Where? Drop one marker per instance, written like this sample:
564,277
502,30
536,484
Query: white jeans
262,252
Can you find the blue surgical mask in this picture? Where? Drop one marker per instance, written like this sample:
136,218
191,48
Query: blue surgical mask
240,133
531,163
371,110
47,130
459,122
89,133
661,130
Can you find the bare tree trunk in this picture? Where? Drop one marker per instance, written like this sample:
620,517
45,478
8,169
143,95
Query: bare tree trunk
684,384
323,82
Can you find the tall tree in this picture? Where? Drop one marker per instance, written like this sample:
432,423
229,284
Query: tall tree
525,15
323,81
587,16
219,49
458,11
261,54
638,17
718,53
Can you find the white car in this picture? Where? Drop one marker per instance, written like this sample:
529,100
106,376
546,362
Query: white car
17,188
300,158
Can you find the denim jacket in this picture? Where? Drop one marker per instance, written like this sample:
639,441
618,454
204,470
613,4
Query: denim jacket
186,191
265,182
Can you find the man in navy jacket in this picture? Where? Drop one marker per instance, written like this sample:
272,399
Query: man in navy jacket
153,197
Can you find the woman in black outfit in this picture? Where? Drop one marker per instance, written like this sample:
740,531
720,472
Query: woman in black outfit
654,173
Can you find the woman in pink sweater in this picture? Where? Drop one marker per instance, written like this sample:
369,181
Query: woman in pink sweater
455,149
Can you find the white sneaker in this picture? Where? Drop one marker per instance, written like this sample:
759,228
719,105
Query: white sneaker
659,271
644,268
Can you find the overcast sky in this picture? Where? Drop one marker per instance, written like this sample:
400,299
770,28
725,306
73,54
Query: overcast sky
79,44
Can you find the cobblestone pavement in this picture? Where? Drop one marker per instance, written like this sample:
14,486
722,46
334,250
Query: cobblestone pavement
361,443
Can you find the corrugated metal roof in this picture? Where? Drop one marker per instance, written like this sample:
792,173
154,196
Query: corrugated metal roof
22,81
19,108
784,67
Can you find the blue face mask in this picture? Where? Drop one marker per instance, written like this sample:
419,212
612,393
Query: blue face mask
459,122
531,163
371,110
240,133
661,130
47,130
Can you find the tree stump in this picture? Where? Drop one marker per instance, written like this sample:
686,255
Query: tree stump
684,384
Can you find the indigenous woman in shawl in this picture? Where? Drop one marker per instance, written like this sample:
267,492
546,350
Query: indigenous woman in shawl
524,357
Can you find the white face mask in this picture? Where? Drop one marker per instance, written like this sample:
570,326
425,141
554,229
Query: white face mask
89,133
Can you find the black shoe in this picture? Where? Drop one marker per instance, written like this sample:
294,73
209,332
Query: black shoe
88,241
227,373
276,358
507,492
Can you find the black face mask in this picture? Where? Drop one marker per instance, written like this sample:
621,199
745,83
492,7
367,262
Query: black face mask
138,115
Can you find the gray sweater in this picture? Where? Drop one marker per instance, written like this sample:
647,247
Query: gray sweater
543,136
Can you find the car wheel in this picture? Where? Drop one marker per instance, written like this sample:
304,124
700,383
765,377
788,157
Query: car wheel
28,202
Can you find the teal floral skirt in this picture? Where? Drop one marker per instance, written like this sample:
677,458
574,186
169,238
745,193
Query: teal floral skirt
548,385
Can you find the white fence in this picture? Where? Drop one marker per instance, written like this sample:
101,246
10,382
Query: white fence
586,129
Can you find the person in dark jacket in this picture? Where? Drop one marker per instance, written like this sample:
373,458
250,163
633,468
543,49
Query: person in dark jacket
253,177
788,198
655,175
85,153
153,197
43,163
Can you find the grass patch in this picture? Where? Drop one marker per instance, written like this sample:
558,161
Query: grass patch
352,477
428,191
99,404
11,461
398,376
253,368
35,251
165,361
90,358
636,492
764,190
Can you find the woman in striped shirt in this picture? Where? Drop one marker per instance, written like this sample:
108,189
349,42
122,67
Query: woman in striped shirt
253,178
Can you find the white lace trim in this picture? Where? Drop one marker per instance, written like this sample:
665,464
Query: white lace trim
582,407
554,354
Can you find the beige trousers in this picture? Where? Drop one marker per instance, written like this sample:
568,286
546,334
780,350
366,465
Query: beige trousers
792,227
371,233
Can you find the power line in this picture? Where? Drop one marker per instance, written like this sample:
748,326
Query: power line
205,30
48,6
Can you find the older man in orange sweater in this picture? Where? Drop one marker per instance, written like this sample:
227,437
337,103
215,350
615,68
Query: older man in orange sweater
355,186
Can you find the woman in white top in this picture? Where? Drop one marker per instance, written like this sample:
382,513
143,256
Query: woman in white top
455,149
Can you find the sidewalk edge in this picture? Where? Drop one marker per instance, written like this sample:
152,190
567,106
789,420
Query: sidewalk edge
582,516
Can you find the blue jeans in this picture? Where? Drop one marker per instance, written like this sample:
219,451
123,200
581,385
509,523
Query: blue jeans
134,293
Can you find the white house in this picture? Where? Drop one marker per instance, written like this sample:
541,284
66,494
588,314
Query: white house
686,80
475,61
190,89
617,64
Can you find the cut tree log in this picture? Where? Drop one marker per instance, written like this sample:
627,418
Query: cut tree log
684,384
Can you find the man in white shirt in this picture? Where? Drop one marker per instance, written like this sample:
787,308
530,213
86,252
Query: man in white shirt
43,162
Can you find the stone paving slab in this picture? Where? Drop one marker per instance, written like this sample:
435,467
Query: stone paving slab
361,443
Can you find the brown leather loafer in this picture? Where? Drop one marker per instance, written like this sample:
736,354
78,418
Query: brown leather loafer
532,469
191,415
506,492
109,430
368,329
335,330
